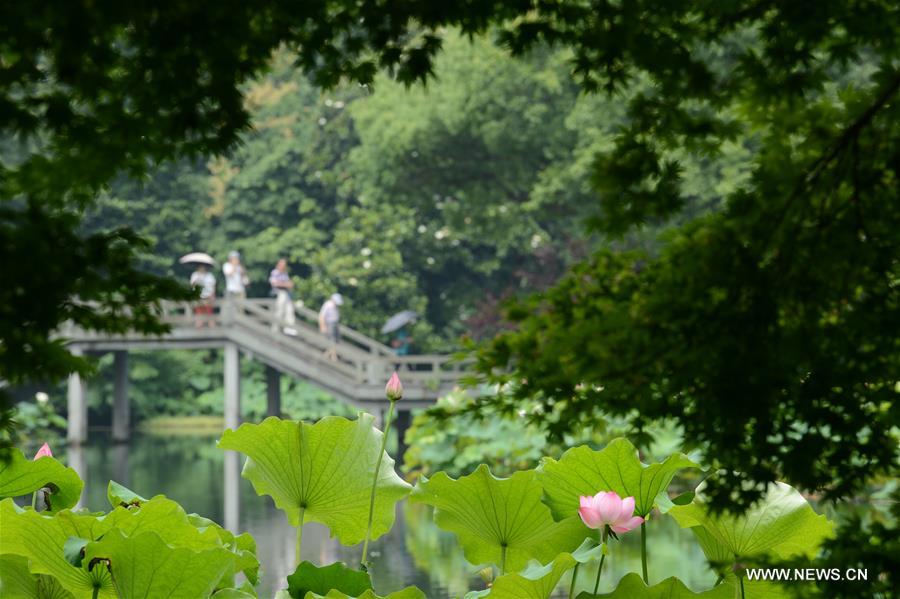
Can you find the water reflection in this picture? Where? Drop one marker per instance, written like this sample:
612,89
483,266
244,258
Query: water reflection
206,480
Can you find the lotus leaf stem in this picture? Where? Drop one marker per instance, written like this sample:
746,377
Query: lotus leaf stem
602,558
644,552
574,578
298,559
502,559
599,571
387,428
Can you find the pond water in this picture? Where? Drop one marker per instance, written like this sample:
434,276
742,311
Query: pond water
192,471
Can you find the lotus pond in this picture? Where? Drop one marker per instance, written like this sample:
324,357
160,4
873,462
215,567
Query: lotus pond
530,534
191,470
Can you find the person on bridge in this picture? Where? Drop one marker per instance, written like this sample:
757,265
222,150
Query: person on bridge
236,279
206,282
284,301
329,323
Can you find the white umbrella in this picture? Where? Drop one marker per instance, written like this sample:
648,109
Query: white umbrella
398,320
197,258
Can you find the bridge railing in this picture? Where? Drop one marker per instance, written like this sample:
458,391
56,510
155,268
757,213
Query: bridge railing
356,357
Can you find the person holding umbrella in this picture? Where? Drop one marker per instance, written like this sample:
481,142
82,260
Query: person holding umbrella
397,324
205,281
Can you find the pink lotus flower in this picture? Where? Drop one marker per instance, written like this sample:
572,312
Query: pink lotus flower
394,388
606,508
44,451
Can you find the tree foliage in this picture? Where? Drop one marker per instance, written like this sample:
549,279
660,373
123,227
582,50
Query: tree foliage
766,328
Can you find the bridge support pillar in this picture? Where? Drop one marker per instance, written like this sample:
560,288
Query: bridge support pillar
401,425
121,409
232,386
232,494
77,406
273,392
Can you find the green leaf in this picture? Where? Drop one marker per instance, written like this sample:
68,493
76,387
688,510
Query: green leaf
584,471
311,578
41,539
232,594
534,582
325,468
588,551
407,593
537,581
782,525
632,587
143,566
21,476
119,495
168,519
16,581
489,513
243,546
159,515
72,550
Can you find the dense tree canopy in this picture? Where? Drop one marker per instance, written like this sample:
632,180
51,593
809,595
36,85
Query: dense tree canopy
766,328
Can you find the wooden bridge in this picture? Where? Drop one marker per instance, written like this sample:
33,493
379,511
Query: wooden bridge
355,374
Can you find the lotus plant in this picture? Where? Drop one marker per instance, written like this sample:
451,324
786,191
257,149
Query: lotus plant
44,451
393,391
611,515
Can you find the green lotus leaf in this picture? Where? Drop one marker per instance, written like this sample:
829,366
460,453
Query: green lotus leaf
534,582
309,578
21,476
145,567
168,519
781,525
119,495
40,538
407,593
584,471
17,581
490,515
159,515
537,581
632,587
588,551
243,546
324,468
232,594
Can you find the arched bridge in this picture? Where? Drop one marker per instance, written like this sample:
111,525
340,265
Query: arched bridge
356,374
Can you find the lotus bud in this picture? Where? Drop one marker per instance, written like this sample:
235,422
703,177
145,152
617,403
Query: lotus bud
43,451
394,388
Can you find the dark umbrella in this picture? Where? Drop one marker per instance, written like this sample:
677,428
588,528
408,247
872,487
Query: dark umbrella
398,320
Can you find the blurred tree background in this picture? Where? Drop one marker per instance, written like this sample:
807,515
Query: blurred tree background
447,199
735,165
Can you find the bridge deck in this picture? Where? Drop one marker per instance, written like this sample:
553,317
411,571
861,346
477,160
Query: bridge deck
357,375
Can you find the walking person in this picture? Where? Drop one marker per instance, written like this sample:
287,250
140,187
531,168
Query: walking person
282,287
206,282
236,279
329,323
